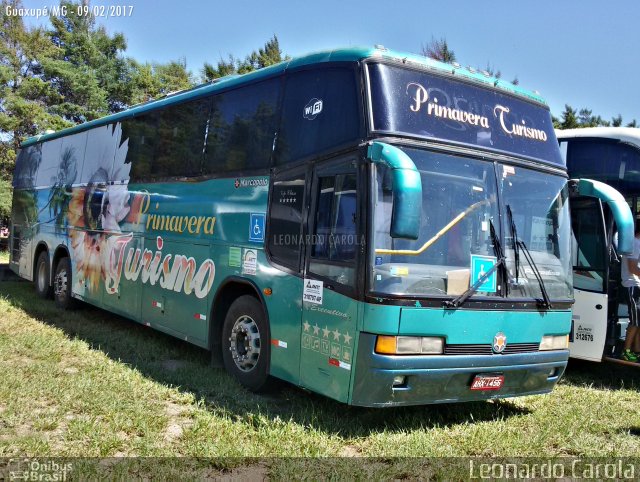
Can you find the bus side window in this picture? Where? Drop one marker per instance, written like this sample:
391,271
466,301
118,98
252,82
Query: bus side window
285,219
319,112
141,133
241,128
334,238
181,135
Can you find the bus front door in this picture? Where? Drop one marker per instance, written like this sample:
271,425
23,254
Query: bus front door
589,253
330,313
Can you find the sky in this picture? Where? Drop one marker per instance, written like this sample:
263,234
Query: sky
584,53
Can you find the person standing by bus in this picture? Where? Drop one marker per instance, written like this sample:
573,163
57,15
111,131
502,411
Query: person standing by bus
631,281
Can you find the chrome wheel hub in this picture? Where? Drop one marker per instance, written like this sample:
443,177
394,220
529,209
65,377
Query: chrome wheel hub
244,343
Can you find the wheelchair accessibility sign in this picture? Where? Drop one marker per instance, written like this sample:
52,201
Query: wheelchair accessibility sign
479,266
256,227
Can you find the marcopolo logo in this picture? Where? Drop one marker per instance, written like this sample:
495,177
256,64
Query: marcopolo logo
313,108
251,182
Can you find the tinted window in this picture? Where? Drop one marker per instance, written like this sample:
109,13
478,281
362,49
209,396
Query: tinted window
99,156
167,143
320,111
588,249
27,163
335,227
615,163
242,127
181,135
334,239
285,219
141,133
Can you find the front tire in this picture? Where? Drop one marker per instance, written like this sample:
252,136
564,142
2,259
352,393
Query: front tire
62,285
246,351
42,278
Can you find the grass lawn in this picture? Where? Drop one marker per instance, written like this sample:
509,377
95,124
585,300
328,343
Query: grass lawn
89,383
4,257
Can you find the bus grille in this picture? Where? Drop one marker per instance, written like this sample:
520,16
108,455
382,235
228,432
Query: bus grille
480,349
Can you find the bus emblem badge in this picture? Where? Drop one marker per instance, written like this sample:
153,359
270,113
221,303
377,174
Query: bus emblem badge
499,342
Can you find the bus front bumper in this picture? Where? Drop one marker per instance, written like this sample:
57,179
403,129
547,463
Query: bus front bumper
447,378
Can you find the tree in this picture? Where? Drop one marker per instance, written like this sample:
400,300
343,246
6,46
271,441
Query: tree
152,81
25,95
572,119
270,54
6,193
89,73
568,120
224,68
438,49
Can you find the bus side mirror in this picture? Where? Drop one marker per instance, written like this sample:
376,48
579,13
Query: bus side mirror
407,189
619,208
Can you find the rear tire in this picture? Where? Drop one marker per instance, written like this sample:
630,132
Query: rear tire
246,351
42,278
62,283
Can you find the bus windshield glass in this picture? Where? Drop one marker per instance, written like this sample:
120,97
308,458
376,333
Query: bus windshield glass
539,208
459,204
459,212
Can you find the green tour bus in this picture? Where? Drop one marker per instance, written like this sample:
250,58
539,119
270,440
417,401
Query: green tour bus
373,226
610,155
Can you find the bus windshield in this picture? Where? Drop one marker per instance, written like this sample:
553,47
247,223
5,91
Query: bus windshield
459,212
539,205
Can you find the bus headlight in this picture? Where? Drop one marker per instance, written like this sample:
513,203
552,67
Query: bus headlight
554,342
409,345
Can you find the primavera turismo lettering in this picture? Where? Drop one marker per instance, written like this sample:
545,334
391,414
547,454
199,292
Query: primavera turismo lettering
421,97
170,272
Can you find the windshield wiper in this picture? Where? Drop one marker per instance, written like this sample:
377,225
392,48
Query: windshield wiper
514,238
527,255
497,248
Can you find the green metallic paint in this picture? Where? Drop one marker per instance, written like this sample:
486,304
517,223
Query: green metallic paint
329,332
381,319
475,326
619,207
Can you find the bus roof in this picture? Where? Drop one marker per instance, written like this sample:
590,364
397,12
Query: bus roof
337,55
630,135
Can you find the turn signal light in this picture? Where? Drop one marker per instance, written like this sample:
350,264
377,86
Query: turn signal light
409,345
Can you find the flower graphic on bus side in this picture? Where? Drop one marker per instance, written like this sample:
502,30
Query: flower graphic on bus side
96,212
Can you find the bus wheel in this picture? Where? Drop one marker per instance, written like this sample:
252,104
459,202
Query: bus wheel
42,279
245,344
62,284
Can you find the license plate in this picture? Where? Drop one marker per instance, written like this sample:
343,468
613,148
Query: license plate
487,382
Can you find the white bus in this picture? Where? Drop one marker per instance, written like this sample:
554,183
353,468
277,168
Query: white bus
610,155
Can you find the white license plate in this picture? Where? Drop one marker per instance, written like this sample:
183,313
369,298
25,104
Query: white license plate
487,382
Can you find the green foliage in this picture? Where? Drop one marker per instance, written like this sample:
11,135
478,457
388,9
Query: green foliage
270,54
152,81
438,49
6,192
25,94
574,119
